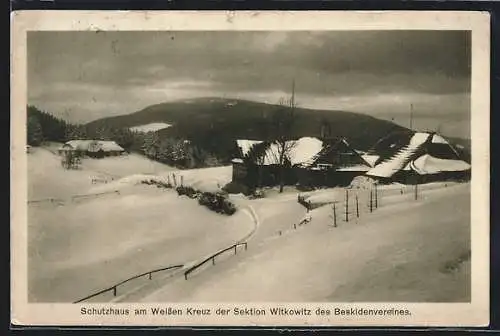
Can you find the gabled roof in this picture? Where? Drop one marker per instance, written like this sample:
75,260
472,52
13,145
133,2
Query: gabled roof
300,151
422,152
93,145
305,152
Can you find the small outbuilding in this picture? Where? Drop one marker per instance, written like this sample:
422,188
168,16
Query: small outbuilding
92,148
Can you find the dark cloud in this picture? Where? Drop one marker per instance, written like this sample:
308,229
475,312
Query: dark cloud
108,67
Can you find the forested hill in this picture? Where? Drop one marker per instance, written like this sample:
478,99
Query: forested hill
216,123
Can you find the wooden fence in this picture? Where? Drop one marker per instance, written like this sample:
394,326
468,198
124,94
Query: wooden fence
212,258
73,198
114,288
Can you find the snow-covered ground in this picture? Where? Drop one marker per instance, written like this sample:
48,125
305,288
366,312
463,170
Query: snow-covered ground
48,179
405,250
79,247
151,127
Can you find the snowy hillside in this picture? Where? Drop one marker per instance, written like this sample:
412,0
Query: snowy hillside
78,246
151,127
48,179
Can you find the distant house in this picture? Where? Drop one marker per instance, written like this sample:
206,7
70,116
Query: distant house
311,162
92,148
416,157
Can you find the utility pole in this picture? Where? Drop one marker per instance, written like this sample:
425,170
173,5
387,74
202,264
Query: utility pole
411,116
376,197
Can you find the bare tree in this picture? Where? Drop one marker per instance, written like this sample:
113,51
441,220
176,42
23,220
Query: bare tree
70,160
282,123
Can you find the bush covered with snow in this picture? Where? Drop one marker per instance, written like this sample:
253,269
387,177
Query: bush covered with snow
217,202
188,191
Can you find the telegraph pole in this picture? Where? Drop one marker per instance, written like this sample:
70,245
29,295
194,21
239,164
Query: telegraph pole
411,116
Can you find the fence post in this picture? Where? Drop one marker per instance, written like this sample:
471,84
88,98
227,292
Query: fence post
246,246
334,215
295,226
185,276
371,200
376,197
357,206
235,246
346,205
150,275
416,191
114,291
213,260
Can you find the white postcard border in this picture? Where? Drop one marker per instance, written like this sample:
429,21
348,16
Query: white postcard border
475,313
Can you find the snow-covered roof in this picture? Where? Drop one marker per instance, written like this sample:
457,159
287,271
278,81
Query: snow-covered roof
299,151
246,145
370,158
304,150
404,158
93,145
427,164
438,139
398,161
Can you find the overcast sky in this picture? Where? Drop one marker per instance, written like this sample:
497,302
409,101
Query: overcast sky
82,76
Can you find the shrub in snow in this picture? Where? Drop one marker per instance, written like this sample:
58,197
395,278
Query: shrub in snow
217,202
186,190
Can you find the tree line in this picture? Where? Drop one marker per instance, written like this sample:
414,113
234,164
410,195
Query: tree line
42,127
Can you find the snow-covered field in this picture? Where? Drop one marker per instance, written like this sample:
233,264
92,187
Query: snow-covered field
48,179
79,247
404,251
151,127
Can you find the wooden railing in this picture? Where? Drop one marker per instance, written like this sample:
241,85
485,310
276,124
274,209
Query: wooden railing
72,198
115,287
212,258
